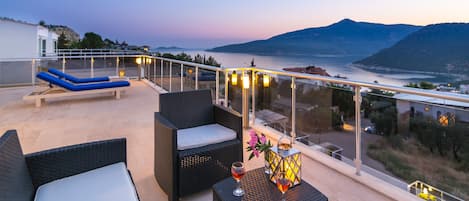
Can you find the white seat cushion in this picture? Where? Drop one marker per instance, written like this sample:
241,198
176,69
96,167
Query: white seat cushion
203,135
111,182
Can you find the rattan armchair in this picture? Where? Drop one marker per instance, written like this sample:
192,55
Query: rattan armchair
183,172
21,175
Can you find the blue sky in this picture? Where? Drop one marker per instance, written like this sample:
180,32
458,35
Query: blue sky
209,23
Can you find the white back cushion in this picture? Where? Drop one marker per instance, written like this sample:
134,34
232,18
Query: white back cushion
203,135
111,182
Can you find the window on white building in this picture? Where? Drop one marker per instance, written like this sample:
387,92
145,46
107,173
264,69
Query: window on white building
43,48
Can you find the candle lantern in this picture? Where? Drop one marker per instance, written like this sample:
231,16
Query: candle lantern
246,81
138,60
284,158
234,78
266,80
121,72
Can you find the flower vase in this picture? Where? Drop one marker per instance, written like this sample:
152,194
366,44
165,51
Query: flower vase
267,169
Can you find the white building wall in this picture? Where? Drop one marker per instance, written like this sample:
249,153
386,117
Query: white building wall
464,88
51,43
18,40
462,115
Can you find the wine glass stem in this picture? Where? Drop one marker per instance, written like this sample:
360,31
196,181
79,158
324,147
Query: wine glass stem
238,183
283,197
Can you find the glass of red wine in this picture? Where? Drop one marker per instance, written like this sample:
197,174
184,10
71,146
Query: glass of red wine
283,183
238,171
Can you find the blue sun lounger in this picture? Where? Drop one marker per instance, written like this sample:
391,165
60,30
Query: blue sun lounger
63,88
74,79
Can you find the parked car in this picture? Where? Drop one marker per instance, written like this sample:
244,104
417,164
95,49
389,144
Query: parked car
370,130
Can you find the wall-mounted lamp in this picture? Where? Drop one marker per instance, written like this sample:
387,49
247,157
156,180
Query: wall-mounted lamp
138,60
234,78
427,108
444,121
266,80
246,81
148,61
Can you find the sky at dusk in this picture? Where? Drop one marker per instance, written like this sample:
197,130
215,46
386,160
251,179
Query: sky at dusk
209,23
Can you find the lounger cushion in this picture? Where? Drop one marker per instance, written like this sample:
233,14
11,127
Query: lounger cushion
200,136
73,79
111,182
81,87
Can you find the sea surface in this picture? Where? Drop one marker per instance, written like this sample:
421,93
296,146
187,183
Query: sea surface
334,65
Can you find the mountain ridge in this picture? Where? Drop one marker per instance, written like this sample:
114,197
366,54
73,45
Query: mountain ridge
436,48
346,37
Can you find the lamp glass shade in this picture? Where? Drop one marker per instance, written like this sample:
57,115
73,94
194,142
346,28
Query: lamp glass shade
138,60
266,80
234,79
148,61
246,81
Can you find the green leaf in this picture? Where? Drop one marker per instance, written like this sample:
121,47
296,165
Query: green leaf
251,156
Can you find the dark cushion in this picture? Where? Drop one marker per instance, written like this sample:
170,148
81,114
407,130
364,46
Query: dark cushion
82,87
73,79
15,181
187,109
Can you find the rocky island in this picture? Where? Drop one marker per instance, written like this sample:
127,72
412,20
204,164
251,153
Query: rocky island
310,70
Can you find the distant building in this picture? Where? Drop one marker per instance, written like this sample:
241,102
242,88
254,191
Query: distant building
409,105
25,40
464,88
446,88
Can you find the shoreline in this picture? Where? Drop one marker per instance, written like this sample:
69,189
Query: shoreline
387,69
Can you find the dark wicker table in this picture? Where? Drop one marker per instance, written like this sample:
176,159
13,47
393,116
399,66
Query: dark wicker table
256,186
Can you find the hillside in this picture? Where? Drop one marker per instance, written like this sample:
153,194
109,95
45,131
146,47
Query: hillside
346,37
69,33
435,48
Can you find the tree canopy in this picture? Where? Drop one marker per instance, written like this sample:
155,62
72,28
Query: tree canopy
92,40
62,42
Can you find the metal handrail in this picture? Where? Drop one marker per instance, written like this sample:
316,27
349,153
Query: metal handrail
408,90
422,92
444,193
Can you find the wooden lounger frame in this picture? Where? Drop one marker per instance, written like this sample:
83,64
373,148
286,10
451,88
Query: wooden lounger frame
56,92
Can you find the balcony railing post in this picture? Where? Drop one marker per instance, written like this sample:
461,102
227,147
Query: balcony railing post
63,64
117,66
92,67
182,77
358,99
147,69
139,71
245,106
217,86
153,79
161,77
33,72
226,88
170,75
196,78
293,109
253,96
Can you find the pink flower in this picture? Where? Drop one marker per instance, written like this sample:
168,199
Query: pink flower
256,153
263,139
253,141
252,133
